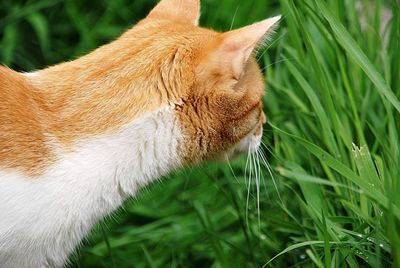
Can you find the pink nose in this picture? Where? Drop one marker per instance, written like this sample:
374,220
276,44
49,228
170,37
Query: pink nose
259,129
263,118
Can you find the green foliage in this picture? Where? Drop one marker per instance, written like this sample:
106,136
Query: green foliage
332,140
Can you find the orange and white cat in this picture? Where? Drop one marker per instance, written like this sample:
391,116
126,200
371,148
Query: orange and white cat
78,138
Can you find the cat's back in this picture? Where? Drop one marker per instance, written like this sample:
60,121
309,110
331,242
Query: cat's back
22,133
15,97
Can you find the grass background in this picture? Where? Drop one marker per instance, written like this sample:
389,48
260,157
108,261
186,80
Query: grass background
333,89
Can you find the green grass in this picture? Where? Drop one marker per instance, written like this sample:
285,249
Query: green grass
332,139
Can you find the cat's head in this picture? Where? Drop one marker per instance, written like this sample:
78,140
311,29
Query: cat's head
218,97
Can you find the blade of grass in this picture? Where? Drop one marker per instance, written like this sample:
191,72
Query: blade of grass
354,51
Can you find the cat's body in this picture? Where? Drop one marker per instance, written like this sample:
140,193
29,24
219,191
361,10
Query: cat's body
52,213
79,138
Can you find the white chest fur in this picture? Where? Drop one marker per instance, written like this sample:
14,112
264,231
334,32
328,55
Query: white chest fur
42,220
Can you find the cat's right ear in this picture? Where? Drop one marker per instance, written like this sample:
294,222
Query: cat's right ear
238,45
184,11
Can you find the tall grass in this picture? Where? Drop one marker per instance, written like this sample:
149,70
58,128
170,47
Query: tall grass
332,139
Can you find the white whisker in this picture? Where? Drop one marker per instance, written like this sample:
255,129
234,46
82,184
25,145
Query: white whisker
258,175
255,170
259,151
248,185
267,165
230,167
267,148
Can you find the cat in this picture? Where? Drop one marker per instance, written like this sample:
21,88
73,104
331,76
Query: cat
79,138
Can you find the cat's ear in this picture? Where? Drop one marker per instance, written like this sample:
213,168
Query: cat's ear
238,45
186,11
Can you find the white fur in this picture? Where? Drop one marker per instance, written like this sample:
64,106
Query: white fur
31,74
249,144
42,220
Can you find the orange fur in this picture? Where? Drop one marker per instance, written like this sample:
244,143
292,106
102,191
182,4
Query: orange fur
22,132
164,59
219,112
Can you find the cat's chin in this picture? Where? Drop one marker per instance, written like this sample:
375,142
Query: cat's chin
247,145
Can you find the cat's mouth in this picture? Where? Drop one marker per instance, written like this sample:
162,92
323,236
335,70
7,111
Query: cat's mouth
251,142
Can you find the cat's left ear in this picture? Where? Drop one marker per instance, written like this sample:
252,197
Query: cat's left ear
185,11
238,45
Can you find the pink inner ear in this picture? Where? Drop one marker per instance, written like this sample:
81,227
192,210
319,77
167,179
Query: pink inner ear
239,61
233,46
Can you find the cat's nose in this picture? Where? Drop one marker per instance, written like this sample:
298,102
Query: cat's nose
263,120
259,130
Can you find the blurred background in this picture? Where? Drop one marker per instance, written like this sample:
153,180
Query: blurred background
328,171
